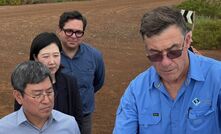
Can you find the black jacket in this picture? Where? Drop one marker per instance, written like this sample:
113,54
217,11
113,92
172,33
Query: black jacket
67,97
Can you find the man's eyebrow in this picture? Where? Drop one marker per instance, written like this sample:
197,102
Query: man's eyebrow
175,45
40,90
154,50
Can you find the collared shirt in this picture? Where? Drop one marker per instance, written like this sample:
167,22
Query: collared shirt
87,67
147,108
58,123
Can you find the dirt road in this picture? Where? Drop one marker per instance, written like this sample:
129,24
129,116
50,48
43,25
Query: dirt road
113,28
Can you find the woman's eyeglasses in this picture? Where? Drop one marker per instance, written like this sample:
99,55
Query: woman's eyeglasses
70,32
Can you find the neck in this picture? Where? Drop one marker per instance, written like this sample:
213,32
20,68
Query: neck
53,78
37,122
70,52
40,123
173,87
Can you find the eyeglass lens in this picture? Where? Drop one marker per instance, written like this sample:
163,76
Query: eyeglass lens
42,95
172,54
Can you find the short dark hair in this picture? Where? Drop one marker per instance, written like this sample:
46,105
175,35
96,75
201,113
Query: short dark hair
71,15
157,20
29,72
41,41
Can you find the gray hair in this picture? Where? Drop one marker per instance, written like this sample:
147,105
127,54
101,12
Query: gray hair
157,20
29,72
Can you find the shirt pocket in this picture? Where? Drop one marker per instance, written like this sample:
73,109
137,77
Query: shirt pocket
150,122
201,120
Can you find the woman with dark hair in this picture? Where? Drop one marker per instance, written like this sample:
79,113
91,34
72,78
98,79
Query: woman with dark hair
46,48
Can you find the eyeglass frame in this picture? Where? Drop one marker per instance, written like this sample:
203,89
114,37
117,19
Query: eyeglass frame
73,32
43,94
168,52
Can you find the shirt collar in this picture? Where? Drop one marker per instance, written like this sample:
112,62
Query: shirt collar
78,53
53,116
195,70
21,116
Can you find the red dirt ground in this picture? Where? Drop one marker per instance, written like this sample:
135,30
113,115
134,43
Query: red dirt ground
113,28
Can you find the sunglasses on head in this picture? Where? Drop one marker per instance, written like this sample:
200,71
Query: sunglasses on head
171,54
70,32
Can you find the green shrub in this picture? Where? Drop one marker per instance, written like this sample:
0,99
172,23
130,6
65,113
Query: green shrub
2,2
207,25
15,2
211,8
207,33
10,2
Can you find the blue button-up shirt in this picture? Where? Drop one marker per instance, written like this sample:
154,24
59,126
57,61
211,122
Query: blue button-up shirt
147,108
58,123
87,67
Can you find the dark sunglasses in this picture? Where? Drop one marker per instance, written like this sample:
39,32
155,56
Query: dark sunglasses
70,32
171,54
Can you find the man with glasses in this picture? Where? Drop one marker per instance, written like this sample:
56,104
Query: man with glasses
32,83
81,61
180,93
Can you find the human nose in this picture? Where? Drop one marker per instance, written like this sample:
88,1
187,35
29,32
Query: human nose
165,61
73,35
51,60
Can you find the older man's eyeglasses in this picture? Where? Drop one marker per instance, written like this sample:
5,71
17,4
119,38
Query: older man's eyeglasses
171,54
70,32
40,96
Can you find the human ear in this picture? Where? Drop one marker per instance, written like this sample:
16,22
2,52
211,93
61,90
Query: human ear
188,39
17,95
36,59
58,31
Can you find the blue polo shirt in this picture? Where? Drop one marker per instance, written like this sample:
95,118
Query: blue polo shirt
87,67
147,108
58,123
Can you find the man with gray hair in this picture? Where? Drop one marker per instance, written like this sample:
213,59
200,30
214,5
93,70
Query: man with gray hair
33,89
180,93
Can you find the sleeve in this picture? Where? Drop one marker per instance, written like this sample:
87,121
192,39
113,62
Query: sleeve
219,100
126,117
75,101
219,103
76,129
70,125
99,72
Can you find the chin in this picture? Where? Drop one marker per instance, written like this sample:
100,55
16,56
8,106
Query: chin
45,115
168,77
53,71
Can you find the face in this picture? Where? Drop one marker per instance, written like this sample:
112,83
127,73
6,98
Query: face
172,46
50,56
37,106
68,40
